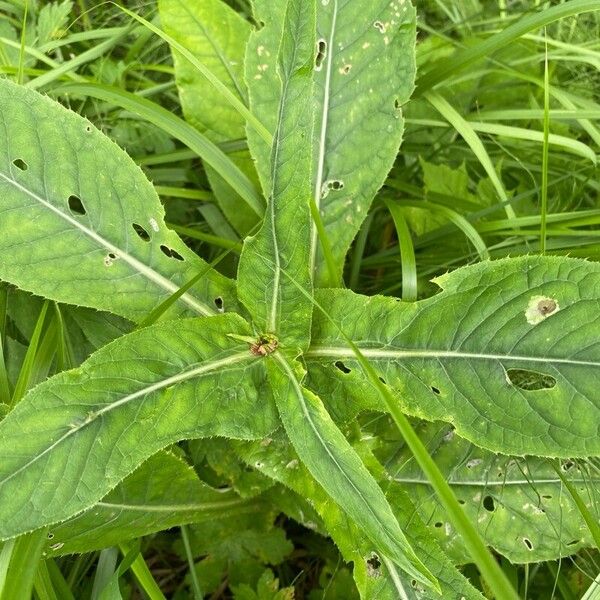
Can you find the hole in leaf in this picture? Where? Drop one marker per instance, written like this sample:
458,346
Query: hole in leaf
383,381
489,504
109,259
373,566
461,502
321,54
572,542
171,253
547,497
379,26
335,185
20,164
413,583
88,128
530,381
219,302
528,544
397,104
438,524
567,465
435,390
342,367
76,205
50,535
142,233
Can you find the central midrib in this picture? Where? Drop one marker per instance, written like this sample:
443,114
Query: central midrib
317,351
323,133
136,264
203,369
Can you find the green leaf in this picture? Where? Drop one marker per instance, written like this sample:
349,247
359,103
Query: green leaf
518,505
180,130
375,577
217,36
52,20
274,263
80,221
266,589
162,493
333,463
507,353
238,549
74,437
364,72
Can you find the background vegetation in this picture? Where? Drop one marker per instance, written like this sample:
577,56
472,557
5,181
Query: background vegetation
476,178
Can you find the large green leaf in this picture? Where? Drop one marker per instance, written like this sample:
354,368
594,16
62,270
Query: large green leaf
162,493
74,437
333,463
217,36
81,224
376,577
364,72
518,505
508,352
274,263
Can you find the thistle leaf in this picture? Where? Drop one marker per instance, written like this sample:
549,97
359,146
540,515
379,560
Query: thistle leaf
81,224
74,437
508,352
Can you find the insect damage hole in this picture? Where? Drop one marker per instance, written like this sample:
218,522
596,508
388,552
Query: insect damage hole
342,367
530,381
528,543
76,205
20,164
141,232
334,185
109,259
321,54
219,303
170,252
540,308
489,504
373,565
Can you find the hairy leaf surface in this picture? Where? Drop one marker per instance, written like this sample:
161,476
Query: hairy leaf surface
74,437
275,262
333,463
508,352
79,221
217,36
162,493
364,72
